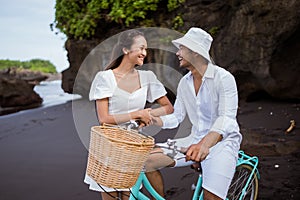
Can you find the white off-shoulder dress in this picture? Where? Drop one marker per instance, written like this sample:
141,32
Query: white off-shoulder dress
105,85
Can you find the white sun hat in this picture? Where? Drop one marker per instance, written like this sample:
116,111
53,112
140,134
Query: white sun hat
196,40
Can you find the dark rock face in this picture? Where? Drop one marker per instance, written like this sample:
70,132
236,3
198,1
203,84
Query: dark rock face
16,91
261,44
257,41
77,52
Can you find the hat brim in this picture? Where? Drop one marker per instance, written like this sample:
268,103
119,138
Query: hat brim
192,46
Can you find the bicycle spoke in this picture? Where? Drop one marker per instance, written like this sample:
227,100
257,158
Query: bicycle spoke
239,182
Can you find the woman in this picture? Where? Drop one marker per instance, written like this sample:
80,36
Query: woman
121,92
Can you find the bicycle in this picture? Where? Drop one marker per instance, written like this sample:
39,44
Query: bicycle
244,183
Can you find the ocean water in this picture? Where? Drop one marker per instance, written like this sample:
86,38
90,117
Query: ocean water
52,93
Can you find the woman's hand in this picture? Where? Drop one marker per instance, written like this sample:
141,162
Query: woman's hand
144,117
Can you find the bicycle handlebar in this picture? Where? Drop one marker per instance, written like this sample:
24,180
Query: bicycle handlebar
171,144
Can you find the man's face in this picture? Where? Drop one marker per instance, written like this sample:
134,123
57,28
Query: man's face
184,55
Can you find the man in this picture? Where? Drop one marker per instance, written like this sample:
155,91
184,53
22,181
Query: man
208,95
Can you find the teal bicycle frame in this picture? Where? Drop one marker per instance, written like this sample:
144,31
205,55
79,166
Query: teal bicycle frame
248,160
198,193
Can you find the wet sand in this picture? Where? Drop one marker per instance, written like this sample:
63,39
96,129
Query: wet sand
43,156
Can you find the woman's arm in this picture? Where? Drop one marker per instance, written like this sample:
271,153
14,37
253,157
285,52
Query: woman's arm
164,109
105,117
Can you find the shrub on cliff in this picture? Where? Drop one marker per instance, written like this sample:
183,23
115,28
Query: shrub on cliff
44,66
80,18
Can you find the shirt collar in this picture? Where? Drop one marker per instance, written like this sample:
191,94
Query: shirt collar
209,73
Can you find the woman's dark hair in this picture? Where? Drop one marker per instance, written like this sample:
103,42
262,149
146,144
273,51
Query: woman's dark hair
125,40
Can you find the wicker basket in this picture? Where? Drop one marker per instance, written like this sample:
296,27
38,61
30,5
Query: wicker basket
116,156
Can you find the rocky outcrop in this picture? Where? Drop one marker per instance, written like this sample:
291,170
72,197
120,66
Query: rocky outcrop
29,76
77,52
16,90
260,46
257,41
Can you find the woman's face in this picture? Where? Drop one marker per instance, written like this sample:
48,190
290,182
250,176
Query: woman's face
138,50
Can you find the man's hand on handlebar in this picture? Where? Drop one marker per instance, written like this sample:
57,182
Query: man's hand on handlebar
197,152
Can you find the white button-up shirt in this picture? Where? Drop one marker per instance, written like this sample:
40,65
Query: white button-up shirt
214,108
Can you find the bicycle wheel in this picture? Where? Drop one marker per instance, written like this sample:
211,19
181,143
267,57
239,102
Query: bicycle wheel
239,181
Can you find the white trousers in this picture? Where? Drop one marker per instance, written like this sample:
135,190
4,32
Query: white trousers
217,169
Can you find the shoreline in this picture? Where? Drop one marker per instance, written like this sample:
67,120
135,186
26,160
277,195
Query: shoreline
44,157
50,91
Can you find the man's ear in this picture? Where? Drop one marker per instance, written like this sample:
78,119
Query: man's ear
125,50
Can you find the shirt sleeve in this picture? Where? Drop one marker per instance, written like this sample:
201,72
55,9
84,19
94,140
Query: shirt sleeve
226,122
101,86
174,119
155,87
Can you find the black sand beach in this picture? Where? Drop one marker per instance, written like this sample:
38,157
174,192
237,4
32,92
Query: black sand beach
43,156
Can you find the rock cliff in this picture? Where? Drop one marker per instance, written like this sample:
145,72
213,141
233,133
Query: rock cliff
256,40
16,90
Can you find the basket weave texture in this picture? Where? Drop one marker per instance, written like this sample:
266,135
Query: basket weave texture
117,156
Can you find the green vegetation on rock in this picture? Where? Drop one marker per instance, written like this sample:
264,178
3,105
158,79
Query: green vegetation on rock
44,66
79,18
